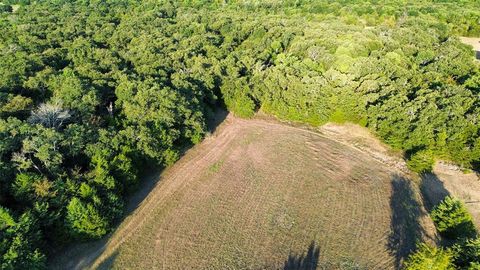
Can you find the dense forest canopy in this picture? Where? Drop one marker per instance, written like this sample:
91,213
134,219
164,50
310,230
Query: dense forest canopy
94,91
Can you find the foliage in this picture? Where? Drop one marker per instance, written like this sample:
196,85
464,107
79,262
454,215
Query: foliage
421,161
93,91
453,220
19,239
427,257
84,220
5,8
466,254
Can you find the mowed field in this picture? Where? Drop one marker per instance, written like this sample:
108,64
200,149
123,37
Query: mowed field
258,194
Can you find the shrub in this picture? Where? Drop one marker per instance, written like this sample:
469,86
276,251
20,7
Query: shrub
242,106
85,221
474,266
453,220
427,258
421,161
338,116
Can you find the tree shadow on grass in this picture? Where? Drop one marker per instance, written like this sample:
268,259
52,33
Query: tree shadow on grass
307,261
433,190
406,228
433,193
108,262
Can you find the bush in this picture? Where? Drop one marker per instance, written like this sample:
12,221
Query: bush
85,221
429,258
474,266
453,220
242,106
420,162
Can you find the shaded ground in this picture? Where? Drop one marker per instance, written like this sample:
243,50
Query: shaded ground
308,261
262,195
406,222
450,180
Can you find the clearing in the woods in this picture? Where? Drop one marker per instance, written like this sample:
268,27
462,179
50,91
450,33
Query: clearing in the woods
474,42
258,194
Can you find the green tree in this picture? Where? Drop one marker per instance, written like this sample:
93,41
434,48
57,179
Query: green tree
19,240
452,219
84,220
466,253
427,258
421,161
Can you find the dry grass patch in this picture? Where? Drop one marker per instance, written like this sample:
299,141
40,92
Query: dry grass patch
261,195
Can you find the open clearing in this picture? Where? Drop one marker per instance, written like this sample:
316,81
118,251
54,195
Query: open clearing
474,42
259,194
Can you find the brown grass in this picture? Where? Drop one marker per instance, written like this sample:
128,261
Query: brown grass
262,195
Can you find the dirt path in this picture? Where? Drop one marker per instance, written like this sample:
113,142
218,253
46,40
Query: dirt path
252,189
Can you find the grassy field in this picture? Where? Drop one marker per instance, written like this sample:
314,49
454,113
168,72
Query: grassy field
259,194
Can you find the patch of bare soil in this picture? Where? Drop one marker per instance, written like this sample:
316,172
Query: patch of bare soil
258,194
474,42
